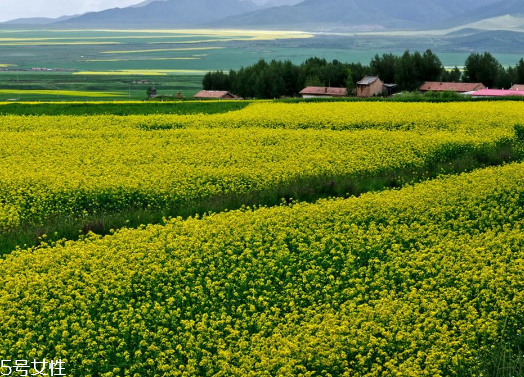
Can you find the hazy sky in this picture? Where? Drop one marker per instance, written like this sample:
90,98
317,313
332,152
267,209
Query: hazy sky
11,9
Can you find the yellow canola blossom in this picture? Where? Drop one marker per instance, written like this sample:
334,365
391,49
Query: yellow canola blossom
147,59
163,50
423,281
146,72
254,34
64,173
79,38
358,115
44,43
67,167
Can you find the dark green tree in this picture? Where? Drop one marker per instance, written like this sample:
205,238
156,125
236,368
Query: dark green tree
454,75
385,67
431,68
350,83
507,77
520,72
313,81
217,81
483,68
408,71
359,71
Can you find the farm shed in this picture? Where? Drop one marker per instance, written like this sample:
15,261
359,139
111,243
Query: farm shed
370,86
323,92
215,94
458,87
390,89
517,88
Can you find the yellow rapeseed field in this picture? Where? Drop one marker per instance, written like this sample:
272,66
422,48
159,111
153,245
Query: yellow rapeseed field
163,49
358,115
72,167
425,279
147,72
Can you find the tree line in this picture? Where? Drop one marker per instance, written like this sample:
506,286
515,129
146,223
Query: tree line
276,79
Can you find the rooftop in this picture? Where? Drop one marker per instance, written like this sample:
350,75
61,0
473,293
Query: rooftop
327,91
368,80
213,94
496,93
461,87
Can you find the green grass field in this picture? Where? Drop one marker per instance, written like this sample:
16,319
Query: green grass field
121,108
23,86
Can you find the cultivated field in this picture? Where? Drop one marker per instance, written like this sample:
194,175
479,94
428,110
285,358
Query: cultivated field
174,60
122,64
263,239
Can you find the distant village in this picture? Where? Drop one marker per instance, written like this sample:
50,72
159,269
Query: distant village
372,86
387,75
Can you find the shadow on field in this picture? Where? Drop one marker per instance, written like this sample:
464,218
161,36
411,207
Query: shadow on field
307,189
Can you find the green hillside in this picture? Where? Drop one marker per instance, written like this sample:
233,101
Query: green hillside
373,14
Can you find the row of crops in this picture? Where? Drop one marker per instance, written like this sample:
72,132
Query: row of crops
391,262
474,117
422,281
63,174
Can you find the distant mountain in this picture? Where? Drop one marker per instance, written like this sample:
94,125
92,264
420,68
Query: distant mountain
494,40
511,8
144,3
169,13
279,3
36,20
353,15
368,14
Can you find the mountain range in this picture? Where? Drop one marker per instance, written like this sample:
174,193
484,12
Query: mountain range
170,13
355,14
512,8
309,15
37,20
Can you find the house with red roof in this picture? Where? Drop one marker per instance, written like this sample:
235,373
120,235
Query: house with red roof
215,94
486,93
323,92
458,87
517,88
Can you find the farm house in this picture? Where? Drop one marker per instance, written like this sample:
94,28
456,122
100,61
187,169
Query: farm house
370,86
323,92
458,87
214,94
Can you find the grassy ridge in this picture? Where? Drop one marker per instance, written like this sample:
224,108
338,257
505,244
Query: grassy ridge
121,108
186,107
424,281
